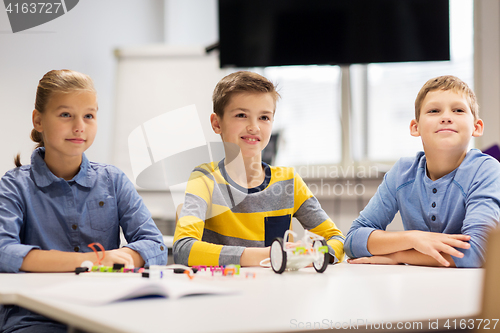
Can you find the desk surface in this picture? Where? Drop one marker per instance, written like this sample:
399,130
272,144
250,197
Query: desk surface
270,302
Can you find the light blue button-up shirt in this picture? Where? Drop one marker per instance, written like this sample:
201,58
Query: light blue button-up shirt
41,211
465,201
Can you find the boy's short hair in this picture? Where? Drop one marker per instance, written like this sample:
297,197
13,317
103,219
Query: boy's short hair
447,82
242,81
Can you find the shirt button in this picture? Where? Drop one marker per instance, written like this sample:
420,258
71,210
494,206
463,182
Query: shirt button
434,190
101,203
74,227
162,248
433,218
433,205
76,249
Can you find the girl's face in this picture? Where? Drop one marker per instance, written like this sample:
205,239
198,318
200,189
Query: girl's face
68,124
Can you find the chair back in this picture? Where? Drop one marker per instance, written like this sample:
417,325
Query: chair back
490,304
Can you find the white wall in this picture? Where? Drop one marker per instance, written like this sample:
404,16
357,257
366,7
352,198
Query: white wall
487,68
191,22
83,40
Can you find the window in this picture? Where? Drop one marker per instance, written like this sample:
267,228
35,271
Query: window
392,89
308,116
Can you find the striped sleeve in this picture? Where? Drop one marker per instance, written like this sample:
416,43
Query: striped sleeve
188,248
308,211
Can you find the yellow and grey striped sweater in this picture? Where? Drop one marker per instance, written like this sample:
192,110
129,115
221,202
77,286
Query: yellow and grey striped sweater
220,218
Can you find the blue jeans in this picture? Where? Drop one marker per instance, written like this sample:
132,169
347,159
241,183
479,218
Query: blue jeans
14,319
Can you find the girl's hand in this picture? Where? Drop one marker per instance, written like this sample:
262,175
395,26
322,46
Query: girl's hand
118,256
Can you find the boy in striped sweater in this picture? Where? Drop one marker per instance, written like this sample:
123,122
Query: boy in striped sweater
234,208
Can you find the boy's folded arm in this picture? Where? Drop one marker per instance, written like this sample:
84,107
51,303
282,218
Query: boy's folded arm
382,242
416,248
481,217
411,257
476,227
414,257
376,216
431,244
482,212
473,257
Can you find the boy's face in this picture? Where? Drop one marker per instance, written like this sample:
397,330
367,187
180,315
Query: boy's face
446,122
247,122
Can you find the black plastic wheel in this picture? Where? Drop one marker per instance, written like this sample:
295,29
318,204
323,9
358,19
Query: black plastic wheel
277,255
321,265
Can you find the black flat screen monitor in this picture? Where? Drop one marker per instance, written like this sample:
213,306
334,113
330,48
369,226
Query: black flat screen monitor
255,33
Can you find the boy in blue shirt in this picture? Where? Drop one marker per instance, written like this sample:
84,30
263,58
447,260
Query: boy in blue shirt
448,197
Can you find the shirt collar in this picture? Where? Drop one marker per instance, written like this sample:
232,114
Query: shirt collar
445,178
43,177
261,187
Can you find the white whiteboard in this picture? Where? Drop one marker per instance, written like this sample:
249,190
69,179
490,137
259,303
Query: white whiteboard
153,80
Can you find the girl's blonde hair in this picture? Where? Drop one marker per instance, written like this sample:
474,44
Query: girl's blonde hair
56,81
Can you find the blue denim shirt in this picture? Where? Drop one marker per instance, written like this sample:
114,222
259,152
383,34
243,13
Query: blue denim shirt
465,201
41,211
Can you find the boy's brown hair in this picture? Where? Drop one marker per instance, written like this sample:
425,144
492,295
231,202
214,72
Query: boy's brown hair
447,82
242,81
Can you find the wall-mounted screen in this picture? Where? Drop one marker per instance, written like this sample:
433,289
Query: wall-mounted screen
254,33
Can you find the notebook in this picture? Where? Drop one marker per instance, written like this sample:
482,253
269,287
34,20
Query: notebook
100,291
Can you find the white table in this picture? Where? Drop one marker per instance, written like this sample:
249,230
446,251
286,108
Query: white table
272,303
